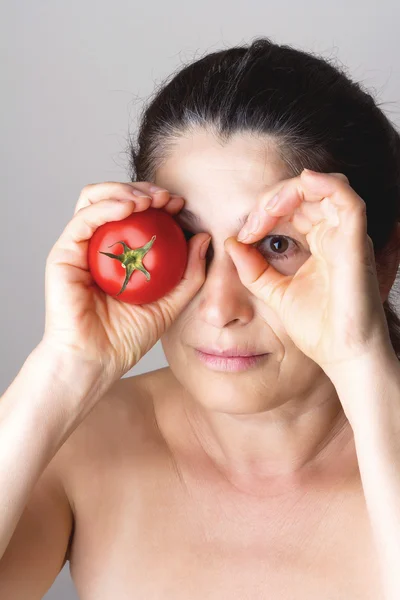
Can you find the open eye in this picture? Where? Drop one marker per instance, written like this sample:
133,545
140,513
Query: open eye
276,242
278,247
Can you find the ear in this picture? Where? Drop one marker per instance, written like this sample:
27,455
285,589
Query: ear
387,265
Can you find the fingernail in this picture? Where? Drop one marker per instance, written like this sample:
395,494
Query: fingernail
141,194
272,203
204,248
154,189
250,226
176,198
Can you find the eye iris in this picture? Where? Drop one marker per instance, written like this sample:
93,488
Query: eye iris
272,241
289,250
278,240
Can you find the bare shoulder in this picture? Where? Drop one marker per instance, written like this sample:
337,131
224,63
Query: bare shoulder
121,420
118,424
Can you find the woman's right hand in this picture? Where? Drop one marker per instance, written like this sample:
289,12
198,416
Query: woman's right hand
81,319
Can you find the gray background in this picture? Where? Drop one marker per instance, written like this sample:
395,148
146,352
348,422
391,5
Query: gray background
74,76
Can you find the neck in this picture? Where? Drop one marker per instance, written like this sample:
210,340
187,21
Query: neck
285,447
302,442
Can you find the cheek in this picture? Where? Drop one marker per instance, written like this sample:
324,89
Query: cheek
267,317
176,331
170,336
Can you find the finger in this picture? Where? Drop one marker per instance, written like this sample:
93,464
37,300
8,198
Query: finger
341,176
339,201
69,246
334,186
309,214
94,192
140,191
174,205
301,222
192,279
307,188
342,206
160,196
261,220
256,274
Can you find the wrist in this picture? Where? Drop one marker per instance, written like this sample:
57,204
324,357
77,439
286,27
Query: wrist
368,386
78,382
61,361
369,363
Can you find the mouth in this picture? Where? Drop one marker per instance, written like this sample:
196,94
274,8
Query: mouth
224,362
230,352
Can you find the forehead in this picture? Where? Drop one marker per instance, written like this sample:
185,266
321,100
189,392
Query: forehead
201,168
198,162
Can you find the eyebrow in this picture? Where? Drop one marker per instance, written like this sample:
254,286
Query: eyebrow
190,217
194,219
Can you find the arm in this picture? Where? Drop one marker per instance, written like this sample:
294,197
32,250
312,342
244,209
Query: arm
41,408
43,405
37,550
371,388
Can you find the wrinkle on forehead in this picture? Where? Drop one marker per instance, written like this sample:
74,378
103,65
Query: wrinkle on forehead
196,153
192,218
186,217
196,167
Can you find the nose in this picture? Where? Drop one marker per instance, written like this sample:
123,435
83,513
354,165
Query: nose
224,300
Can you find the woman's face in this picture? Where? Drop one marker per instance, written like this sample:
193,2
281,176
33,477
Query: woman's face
221,185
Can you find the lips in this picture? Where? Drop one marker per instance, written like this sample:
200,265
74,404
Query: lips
231,352
229,363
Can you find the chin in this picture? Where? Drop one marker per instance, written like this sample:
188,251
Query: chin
219,393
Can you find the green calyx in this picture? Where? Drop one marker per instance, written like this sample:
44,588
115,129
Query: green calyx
131,260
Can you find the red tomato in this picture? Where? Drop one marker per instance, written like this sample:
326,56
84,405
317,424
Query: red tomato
147,260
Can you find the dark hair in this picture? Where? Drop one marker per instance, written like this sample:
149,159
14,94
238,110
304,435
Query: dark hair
314,114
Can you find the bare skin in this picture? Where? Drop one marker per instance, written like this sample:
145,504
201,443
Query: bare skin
191,483
155,518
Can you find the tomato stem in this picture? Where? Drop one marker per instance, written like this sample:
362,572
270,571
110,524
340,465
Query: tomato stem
131,259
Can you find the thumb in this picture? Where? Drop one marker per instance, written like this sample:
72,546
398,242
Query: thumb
256,274
192,279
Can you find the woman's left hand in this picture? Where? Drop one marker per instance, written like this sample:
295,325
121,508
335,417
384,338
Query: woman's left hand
331,307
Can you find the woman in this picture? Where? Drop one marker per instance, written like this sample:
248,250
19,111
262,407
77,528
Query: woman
223,476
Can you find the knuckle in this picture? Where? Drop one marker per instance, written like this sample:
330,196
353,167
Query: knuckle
89,186
78,208
86,190
361,207
81,207
83,197
83,211
341,176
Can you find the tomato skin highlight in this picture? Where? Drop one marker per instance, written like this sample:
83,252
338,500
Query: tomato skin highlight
165,261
